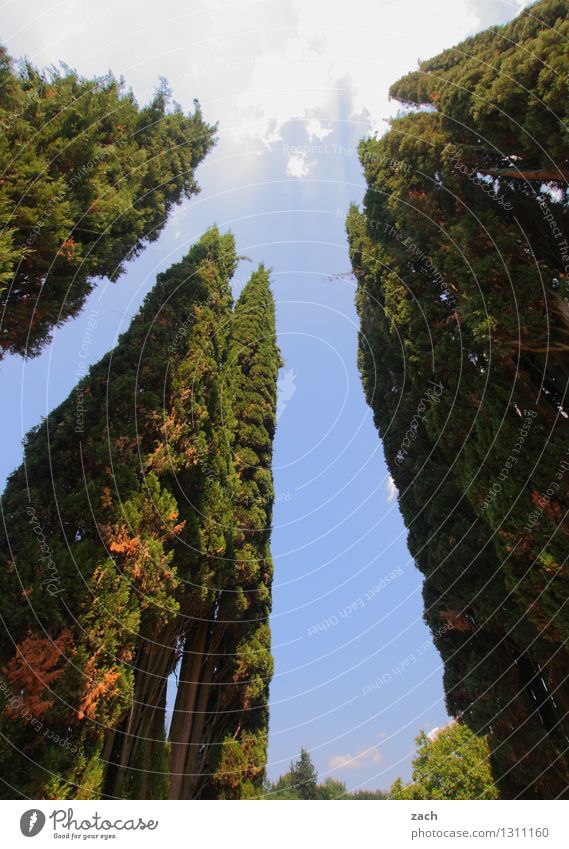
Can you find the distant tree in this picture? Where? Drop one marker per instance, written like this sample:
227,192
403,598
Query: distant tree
331,788
452,765
304,776
301,782
367,795
282,788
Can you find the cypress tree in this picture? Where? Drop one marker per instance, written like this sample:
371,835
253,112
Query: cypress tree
219,730
193,454
464,588
88,179
150,490
108,545
247,666
462,352
304,776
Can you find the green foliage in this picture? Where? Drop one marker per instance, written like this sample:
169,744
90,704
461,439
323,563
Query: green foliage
156,530
304,776
453,765
331,788
89,178
462,297
106,552
301,782
508,83
245,604
283,789
367,795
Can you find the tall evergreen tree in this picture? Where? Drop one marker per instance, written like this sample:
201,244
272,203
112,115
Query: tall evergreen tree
193,454
88,178
150,492
462,298
110,544
304,776
221,733
247,665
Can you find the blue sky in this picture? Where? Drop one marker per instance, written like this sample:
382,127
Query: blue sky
294,86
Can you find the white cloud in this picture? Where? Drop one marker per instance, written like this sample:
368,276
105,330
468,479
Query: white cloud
323,54
256,125
297,166
316,130
254,65
178,218
490,12
434,732
364,756
392,491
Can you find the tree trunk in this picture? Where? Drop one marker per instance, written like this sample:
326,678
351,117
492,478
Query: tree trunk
183,717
